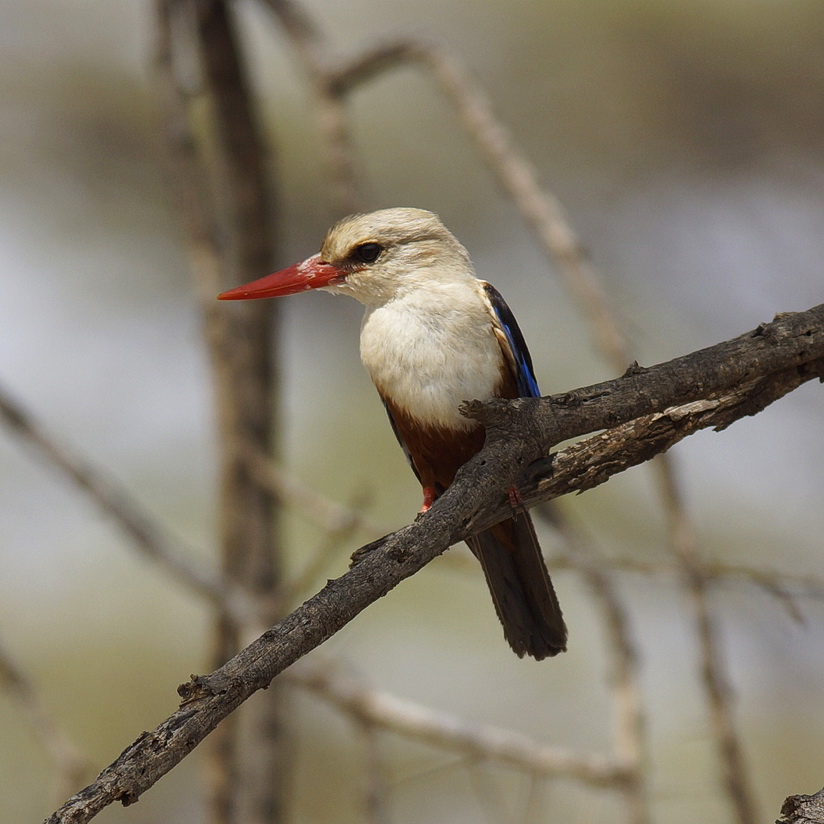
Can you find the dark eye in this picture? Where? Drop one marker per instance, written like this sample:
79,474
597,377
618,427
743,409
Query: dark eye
367,252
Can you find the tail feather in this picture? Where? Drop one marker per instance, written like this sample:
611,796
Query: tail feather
521,589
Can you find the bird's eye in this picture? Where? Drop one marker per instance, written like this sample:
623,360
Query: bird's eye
367,252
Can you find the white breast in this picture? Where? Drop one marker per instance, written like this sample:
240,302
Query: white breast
429,353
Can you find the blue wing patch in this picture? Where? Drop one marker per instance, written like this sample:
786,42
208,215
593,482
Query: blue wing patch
525,374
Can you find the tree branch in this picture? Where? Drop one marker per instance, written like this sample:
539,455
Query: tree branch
803,809
757,368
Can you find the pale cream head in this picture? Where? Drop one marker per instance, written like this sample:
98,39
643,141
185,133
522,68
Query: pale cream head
385,254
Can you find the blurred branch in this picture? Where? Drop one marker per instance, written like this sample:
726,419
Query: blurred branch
448,732
630,723
719,694
155,543
330,515
338,521
328,551
786,588
329,104
376,791
787,352
218,174
72,767
147,535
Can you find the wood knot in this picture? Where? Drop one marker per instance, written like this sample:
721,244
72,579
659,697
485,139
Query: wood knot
202,686
489,413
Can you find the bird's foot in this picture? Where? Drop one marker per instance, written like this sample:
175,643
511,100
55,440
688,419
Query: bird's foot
515,500
428,498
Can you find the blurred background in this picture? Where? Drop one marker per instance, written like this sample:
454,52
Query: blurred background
685,141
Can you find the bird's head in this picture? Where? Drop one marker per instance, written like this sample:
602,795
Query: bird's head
374,258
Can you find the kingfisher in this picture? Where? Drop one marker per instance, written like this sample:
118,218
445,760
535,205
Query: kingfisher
434,335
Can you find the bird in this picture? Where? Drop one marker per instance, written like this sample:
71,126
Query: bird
433,336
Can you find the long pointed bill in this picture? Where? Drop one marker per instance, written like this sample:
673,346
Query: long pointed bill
312,273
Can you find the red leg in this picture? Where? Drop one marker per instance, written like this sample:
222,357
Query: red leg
515,498
428,497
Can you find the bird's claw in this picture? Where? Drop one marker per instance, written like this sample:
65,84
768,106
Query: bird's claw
515,500
428,499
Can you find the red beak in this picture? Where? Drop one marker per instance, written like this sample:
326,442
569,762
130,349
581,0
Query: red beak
312,273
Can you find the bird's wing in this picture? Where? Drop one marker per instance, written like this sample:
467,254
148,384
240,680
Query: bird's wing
512,343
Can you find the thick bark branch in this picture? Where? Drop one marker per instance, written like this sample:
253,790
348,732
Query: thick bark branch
757,365
803,809
589,463
791,339
755,368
